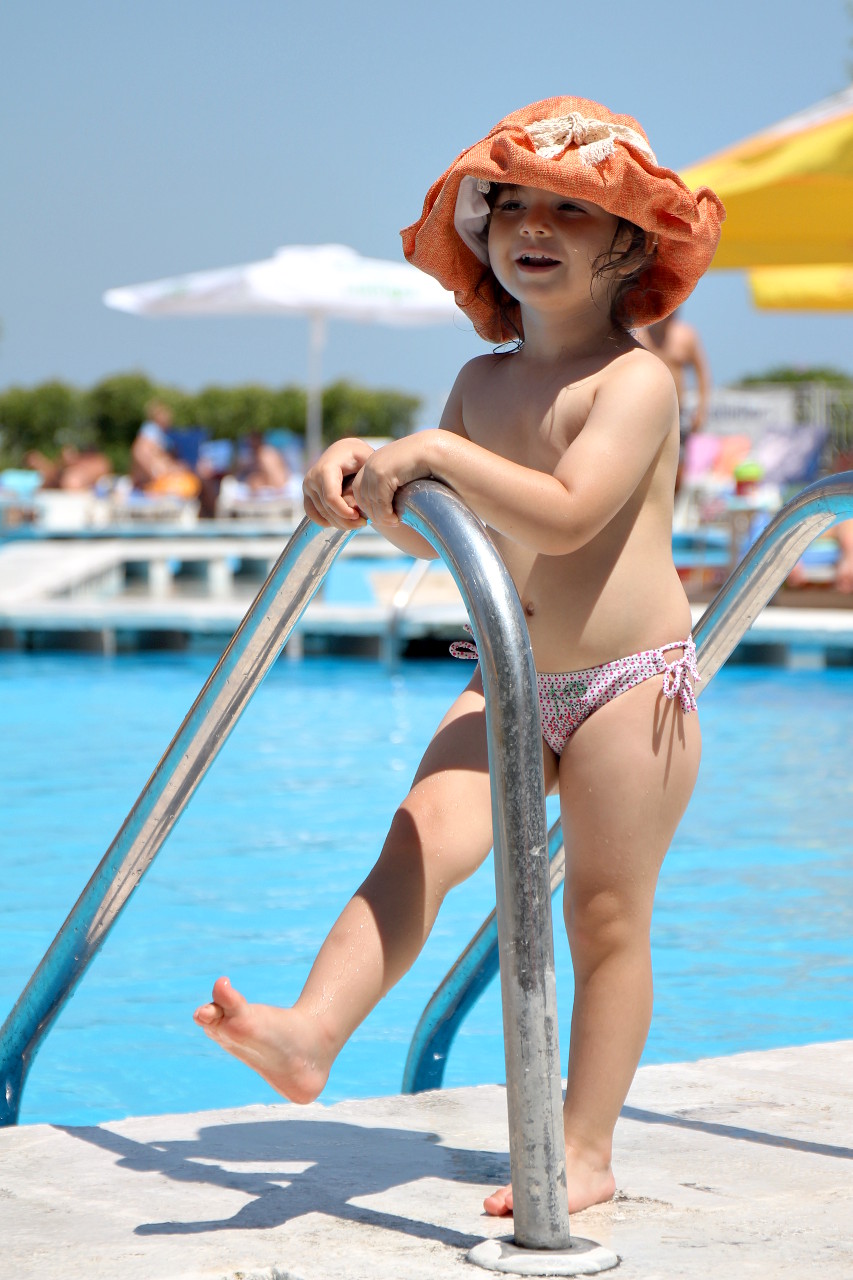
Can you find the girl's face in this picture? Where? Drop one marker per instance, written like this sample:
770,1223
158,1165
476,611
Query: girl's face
543,247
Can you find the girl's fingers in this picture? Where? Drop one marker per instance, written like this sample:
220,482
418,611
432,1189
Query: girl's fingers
327,506
327,484
375,497
354,508
312,513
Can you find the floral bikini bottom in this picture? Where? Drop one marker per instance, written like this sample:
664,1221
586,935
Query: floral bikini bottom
566,699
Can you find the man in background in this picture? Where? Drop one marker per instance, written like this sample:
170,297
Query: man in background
679,346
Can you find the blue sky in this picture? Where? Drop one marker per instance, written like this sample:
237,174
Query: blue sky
150,139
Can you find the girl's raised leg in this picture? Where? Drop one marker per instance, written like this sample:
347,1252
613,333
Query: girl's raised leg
440,834
625,779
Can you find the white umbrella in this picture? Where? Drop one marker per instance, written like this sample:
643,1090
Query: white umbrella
326,281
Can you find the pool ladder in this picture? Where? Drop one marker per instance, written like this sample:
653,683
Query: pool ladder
520,933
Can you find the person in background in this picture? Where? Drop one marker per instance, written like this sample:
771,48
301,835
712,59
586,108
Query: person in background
75,469
801,575
260,465
154,468
844,568
679,346
842,534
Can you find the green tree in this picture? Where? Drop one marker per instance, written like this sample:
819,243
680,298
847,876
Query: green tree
116,409
791,373
110,413
45,418
349,410
290,406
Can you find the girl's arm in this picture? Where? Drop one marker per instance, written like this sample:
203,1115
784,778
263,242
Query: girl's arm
329,500
633,412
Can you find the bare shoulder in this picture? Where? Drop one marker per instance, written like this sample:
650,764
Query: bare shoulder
639,364
639,376
478,371
469,389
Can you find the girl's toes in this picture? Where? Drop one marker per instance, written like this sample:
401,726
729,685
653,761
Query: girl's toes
499,1204
207,1015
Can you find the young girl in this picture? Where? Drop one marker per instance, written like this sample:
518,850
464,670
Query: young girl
561,231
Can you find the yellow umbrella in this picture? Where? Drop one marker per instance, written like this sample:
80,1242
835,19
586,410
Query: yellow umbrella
788,191
811,288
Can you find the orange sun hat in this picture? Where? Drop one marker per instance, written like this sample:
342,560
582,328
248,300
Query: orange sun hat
576,148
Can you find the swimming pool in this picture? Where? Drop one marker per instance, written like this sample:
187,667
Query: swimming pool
754,917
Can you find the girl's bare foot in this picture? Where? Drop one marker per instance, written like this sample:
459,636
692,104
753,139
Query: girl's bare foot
282,1045
588,1185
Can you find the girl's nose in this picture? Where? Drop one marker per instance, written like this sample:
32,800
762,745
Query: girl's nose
536,221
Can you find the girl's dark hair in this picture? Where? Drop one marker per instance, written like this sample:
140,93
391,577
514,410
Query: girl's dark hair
623,267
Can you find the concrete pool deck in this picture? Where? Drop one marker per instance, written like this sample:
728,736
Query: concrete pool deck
728,1167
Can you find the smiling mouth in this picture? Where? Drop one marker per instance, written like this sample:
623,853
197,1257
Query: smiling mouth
536,261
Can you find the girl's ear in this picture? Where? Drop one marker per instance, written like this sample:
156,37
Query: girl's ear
651,244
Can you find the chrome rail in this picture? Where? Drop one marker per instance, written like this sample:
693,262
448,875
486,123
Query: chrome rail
254,647
766,565
461,989
738,603
525,936
537,1152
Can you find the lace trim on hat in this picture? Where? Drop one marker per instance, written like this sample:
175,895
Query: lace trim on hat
595,139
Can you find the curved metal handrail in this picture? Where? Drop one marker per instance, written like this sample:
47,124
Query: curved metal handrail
254,647
760,573
522,885
766,565
537,1152
462,987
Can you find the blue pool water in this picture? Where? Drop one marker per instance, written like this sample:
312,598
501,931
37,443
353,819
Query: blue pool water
754,916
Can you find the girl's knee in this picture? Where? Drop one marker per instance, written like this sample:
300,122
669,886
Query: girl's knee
444,844
603,923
